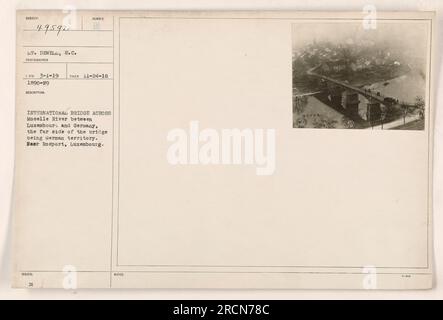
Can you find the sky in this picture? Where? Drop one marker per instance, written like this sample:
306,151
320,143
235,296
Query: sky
404,35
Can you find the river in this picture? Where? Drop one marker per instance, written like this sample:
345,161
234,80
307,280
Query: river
404,88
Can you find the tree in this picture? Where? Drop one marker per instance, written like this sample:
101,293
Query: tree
347,123
420,106
300,104
300,122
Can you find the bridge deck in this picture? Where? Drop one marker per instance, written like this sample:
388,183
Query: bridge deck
379,98
366,93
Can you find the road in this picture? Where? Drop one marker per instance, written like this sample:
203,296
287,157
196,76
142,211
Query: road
397,123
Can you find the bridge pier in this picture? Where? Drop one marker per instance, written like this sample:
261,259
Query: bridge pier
351,103
336,96
373,111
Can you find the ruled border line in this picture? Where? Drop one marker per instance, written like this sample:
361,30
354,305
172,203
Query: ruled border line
300,266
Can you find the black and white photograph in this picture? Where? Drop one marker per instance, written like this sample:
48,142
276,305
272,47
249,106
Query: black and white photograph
354,75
